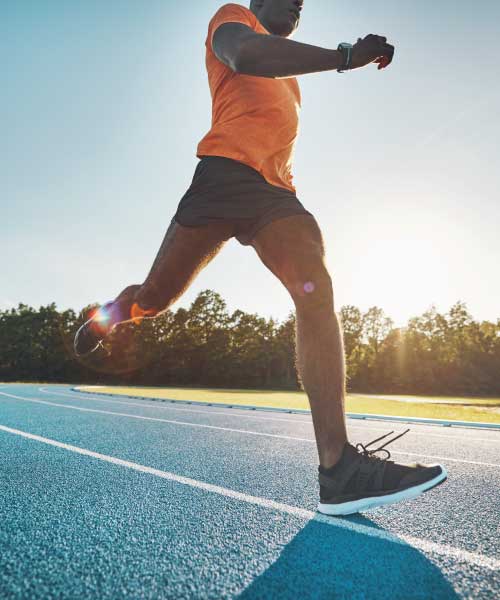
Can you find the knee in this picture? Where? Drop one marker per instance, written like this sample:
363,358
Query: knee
312,293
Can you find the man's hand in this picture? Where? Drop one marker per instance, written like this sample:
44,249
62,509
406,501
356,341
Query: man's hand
372,49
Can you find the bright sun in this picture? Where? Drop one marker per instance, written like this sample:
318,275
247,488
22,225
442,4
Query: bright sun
403,271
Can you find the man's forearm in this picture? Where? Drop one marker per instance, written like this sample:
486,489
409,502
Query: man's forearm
277,57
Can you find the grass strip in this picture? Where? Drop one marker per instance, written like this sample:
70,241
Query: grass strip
447,408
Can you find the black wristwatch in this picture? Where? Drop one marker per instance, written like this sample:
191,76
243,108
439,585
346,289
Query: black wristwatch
346,50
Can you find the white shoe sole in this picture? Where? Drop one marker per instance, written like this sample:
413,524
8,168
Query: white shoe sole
354,506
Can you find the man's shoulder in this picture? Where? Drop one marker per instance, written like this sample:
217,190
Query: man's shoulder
230,13
234,6
231,9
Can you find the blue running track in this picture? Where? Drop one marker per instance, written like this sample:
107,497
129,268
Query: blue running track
118,498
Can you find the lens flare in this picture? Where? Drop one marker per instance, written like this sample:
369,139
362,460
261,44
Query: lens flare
121,351
101,316
309,287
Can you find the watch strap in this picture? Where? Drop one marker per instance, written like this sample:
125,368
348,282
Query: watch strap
346,50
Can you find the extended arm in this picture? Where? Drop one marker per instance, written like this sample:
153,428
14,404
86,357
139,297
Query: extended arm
250,53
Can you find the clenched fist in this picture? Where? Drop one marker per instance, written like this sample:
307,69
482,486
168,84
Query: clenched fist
372,49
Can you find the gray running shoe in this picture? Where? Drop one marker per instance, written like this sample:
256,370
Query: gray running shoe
88,339
361,480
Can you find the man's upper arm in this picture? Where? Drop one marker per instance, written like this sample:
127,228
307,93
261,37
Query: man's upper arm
228,40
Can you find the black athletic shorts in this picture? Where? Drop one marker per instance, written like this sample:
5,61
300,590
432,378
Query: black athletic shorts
224,189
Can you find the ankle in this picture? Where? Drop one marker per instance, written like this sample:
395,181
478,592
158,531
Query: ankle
330,458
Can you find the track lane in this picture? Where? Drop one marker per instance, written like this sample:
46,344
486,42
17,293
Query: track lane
259,469
104,531
456,450
227,429
430,548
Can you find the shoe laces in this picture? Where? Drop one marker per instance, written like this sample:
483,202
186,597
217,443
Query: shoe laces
370,454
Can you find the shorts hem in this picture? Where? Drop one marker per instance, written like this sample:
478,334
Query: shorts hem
247,238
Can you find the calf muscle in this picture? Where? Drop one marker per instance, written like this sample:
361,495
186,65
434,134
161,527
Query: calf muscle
293,250
184,252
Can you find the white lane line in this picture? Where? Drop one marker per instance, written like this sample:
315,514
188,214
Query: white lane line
472,558
142,418
448,459
211,411
90,396
214,427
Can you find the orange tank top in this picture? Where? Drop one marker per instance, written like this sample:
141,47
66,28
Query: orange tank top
255,120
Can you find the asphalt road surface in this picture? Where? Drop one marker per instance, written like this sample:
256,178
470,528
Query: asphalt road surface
119,498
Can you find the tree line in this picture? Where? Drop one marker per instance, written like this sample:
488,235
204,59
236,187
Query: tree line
206,345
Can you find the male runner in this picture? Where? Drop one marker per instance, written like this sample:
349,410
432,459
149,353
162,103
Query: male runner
242,188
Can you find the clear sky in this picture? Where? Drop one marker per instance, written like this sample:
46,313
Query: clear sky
102,105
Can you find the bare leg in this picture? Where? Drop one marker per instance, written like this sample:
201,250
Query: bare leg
185,251
292,248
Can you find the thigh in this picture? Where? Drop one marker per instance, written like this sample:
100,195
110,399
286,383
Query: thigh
183,253
293,249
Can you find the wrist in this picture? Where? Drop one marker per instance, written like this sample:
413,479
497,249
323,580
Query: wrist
340,58
335,59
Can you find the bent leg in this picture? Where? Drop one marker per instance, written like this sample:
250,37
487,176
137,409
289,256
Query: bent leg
292,248
184,252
